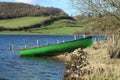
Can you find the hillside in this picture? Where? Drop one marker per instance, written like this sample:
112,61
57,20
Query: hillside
17,17
39,25
14,10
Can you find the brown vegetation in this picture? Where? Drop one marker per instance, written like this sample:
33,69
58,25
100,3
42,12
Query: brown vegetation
75,68
113,46
99,65
102,67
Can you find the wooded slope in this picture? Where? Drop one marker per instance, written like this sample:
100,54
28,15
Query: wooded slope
12,10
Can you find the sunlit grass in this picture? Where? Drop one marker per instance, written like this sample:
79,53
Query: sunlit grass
21,22
57,30
62,26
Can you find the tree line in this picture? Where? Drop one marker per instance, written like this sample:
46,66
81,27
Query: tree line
13,10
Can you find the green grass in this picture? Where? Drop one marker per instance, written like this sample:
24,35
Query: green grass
21,22
62,26
57,30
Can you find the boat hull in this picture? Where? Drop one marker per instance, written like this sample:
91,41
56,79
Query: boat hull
56,49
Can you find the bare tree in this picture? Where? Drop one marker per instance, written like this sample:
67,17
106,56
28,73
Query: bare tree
115,6
98,6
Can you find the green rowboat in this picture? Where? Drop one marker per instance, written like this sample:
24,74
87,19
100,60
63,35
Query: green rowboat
56,49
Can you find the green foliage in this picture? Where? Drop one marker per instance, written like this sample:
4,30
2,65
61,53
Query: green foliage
99,24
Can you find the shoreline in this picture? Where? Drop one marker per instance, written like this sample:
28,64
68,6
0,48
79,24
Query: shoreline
47,34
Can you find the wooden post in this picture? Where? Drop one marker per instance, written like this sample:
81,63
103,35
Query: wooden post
25,46
95,39
58,41
113,39
47,43
37,43
75,37
84,36
11,47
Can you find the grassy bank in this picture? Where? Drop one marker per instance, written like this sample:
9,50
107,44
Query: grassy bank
99,65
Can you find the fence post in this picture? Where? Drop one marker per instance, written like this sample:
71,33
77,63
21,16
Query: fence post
58,41
37,41
84,36
11,47
75,37
25,46
95,39
47,43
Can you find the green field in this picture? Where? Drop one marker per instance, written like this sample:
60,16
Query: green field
21,22
62,26
56,30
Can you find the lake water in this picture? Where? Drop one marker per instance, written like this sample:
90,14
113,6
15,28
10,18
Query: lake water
13,67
